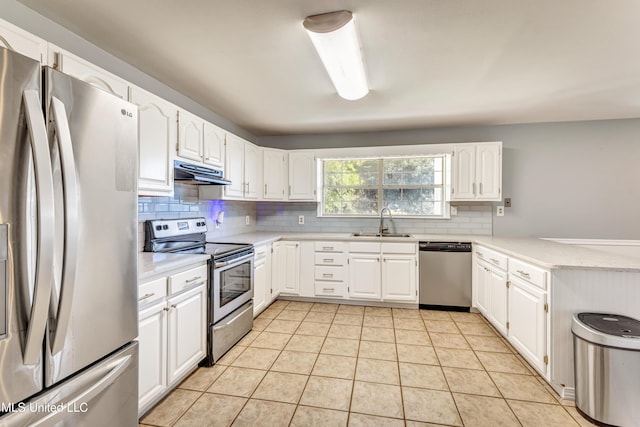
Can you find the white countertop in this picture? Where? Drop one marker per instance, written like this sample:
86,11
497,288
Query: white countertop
152,263
545,253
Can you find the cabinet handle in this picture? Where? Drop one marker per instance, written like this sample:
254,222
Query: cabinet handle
265,189
146,296
523,273
193,280
481,191
289,190
474,188
328,289
165,309
327,274
378,259
328,260
495,261
480,254
327,248
173,306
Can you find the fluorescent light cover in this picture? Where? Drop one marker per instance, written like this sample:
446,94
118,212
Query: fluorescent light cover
336,41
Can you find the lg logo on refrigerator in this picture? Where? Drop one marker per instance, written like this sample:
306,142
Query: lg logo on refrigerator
126,113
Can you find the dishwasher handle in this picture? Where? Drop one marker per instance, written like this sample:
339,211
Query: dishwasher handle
445,246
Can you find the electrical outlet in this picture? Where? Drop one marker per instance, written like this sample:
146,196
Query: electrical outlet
500,211
301,219
454,210
247,220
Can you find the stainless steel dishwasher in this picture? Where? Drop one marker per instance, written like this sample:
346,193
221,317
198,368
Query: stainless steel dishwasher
445,275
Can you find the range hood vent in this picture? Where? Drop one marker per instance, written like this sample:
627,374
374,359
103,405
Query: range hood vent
186,173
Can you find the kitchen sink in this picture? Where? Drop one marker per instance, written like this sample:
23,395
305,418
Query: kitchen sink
380,235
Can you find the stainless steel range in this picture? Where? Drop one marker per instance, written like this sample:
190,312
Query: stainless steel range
230,302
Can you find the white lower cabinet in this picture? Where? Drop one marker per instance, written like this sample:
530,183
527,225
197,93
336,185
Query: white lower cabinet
290,259
261,279
364,276
528,322
383,271
512,295
187,332
172,332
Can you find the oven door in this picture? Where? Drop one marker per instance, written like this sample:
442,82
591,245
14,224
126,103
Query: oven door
232,286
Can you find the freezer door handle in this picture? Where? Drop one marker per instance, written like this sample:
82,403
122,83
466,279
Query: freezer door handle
45,213
87,395
71,217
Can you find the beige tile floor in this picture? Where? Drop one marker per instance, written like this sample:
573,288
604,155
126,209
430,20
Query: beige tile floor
307,364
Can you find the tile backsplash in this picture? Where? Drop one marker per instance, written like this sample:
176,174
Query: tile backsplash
283,217
476,220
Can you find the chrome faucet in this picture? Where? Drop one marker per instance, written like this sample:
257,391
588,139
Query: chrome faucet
383,229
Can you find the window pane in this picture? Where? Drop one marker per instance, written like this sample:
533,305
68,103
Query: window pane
413,201
350,201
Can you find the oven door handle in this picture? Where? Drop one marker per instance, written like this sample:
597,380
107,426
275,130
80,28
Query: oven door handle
233,261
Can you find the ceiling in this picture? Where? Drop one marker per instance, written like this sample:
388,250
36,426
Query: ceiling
430,63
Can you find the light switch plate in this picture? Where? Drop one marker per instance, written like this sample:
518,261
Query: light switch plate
454,210
247,220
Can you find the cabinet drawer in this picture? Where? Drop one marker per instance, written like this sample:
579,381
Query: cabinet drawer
330,289
152,291
366,247
330,273
324,258
188,278
330,246
399,248
528,272
260,252
492,257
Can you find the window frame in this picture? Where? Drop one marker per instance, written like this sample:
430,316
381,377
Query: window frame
380,187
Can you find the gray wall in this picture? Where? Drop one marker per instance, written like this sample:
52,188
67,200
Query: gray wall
27,19
571,179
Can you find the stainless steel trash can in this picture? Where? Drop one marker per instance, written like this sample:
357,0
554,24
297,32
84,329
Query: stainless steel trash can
606,356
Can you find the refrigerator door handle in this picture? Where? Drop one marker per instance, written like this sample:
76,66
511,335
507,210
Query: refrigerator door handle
71,217
44,255
82,399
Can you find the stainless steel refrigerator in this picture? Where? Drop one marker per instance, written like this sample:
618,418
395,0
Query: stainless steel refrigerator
68,250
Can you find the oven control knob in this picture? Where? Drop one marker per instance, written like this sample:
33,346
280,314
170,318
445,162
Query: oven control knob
165,227
158,227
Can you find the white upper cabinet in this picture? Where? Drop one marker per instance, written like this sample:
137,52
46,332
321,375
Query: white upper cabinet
190,136
213,145
233,167
83,70
18,40
275,174
477,172
252,171
302,176
156,141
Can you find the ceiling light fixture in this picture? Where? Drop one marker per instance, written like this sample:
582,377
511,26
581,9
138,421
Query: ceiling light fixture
336,41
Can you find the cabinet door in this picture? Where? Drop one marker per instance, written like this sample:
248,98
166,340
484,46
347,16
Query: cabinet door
497,296
234,166
23,42
213,145
364,276
291,255
152,335
252,171
190,136
399,278
489,171
528,321
259,286
274,174
187,337
463,164
481,277
83,70
277,269
156,142
302,176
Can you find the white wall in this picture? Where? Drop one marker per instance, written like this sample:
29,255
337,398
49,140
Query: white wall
572,179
